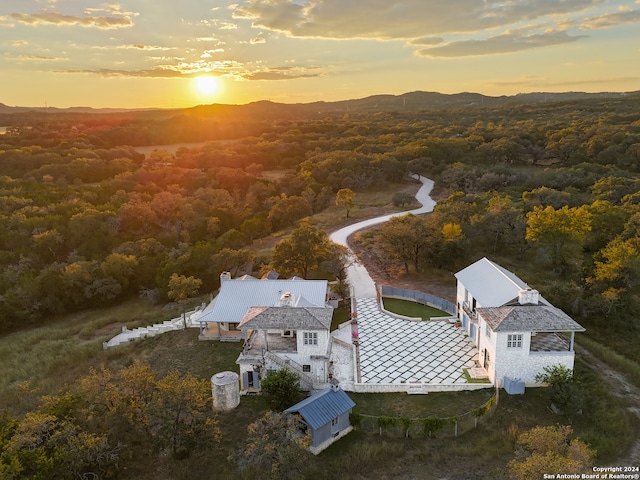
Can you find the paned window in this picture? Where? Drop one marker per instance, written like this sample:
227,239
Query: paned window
310,338
514,341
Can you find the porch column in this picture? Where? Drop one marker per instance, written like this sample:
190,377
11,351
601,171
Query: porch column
573,334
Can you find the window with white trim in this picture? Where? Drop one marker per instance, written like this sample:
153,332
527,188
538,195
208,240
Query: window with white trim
306,368
514,341
310,338
487,330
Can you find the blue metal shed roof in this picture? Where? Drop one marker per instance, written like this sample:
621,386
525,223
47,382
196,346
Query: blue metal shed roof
322,407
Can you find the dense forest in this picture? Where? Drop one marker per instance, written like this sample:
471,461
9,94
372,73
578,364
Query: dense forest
87,220
549,190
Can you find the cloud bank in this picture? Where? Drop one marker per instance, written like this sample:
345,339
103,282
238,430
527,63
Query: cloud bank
399,20
54,18
429,22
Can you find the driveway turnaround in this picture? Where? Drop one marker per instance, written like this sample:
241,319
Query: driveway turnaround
397,351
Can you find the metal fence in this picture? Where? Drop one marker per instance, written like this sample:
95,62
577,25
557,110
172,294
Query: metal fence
426,426
418,297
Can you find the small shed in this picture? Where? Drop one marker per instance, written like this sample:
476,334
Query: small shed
325,415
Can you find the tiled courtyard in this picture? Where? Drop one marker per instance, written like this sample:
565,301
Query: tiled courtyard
394,351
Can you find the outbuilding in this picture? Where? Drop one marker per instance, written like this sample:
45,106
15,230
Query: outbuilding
324,415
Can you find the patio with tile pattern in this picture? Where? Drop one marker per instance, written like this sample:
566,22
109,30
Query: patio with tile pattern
394,351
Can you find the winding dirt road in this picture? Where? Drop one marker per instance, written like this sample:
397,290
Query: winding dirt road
357,274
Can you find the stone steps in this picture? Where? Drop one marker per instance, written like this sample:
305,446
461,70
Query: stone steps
127,336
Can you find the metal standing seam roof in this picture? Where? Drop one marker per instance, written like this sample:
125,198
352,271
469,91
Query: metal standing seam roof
322,407
237,295
529,318
490,284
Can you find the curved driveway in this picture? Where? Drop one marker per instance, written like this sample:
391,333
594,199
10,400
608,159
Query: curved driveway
357,274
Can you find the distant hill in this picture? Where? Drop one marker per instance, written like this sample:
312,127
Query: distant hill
7,109
411,101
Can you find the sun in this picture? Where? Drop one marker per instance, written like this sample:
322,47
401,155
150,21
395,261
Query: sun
207,84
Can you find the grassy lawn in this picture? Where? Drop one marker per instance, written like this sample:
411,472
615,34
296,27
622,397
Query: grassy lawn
438,404
412,309
340,315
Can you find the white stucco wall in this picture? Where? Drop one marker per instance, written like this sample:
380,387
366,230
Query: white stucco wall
488,344
306,351
523,365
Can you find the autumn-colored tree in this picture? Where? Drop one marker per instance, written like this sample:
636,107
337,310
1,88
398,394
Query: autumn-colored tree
501,222
344,199
180,413
182,288
171,412
404,238
561,233
549,449
288,210
50,442
275,448
302,251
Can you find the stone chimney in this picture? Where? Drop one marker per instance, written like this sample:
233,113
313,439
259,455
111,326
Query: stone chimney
287,300
528,296
224,276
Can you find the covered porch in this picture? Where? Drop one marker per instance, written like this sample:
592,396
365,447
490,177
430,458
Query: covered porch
551,342
270,341
213,331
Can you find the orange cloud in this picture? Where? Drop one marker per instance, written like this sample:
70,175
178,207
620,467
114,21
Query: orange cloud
53,18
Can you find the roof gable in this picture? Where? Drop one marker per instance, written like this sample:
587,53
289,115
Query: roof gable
490,284
322,407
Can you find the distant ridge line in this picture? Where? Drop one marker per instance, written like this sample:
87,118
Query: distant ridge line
417,100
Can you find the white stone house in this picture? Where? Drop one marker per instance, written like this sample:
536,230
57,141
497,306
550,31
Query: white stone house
289,335
517,332
221,318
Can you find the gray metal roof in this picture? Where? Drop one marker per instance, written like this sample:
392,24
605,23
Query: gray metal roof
237,295
287,318
490,284
322,407
529,318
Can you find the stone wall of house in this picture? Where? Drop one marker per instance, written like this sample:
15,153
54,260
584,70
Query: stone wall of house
523,365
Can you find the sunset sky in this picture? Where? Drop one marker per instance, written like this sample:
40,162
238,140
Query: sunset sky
144,53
